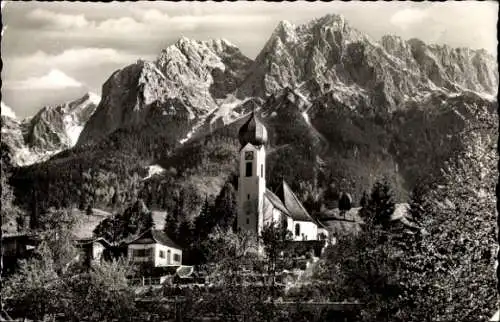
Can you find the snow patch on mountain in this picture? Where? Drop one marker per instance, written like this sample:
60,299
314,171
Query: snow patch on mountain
153,170
194,129
306,117
26,156
7,111
226,110
72,119
94,98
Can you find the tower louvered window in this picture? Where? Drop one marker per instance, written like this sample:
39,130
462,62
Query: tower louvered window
248,169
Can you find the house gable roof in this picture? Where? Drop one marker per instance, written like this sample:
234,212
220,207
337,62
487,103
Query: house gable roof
153,236
89,241
295,208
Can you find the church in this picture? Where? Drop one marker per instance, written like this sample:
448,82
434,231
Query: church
258,206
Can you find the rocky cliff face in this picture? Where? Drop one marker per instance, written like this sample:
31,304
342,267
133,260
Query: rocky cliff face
215,84
327,54
196,73
51,130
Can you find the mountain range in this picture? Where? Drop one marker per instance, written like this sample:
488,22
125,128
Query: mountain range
51,130
341,108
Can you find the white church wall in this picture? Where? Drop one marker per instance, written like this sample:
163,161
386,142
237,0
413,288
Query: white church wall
307,230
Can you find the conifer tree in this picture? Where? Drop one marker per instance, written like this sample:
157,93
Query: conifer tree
204,222
172,218
225,207
380,205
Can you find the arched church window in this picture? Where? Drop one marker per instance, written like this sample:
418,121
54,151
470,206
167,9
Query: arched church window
297,230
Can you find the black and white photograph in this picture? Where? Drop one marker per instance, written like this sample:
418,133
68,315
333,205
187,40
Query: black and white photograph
249,161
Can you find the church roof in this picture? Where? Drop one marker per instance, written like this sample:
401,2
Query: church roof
275,201
253,131
295,208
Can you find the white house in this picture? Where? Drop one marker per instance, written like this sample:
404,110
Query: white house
259,206
155,248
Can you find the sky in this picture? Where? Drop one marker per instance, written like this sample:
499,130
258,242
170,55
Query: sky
57,51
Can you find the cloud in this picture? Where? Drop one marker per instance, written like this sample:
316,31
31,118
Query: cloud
55,79
406,17
7,111
91,65
142,22
69,57
58,20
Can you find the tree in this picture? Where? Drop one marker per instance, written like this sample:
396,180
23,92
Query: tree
171,225
364,200
89,211
225,207
9,211
56,239
205,222
363,268
232,297
101,294
380,205
135,219
275,236
419,201
32,291
114,198
345,203
450,273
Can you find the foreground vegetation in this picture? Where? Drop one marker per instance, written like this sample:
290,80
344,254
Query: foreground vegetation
444,272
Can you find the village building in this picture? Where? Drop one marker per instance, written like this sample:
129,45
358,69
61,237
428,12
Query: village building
16,246
94,250
350,223
153,248
258,206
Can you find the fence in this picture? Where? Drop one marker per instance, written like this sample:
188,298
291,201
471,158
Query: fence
145,281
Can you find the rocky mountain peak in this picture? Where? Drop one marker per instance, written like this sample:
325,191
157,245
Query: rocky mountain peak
285,31
190,72
327,54
53,129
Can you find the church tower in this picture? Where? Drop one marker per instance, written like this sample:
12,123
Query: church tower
252,177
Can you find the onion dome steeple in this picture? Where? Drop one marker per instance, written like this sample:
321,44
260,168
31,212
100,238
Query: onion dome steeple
253,131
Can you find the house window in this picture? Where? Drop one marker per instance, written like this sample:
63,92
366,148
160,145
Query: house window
177,258
248,170
248,221
262,171
297,230
141,252
168,256
162,254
